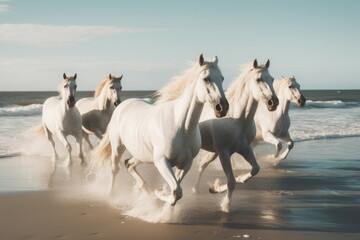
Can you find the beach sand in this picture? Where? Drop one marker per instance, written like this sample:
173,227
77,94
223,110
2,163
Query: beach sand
314,194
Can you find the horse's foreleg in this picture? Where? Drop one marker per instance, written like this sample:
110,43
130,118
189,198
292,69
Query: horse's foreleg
229,186
67,145
269,137
130,165
290,145
249,156
79,141
165,169
180,173
204,162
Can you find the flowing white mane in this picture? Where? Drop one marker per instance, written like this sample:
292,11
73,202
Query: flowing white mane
101,85
176,87
62,83
279,82
234,92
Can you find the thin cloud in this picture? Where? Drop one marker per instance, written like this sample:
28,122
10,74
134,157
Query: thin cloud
50,35
4,8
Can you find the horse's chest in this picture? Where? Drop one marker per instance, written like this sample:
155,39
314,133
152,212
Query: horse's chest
182,151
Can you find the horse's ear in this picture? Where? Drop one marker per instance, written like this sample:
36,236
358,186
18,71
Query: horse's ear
201,60
282,77
267,64
293,77
75,76
216,60
255,64
121,77
64,76
110,77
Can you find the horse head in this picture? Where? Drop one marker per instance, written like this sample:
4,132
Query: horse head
209,86
293,92
68,89
114,89
261,84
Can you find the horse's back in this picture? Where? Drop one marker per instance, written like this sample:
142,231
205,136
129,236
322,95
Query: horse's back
84,104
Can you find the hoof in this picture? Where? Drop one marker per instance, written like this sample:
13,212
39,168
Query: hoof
212,190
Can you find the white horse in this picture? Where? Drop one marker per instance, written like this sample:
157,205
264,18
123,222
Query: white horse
165,133
234,133
271,126
96,112
60,117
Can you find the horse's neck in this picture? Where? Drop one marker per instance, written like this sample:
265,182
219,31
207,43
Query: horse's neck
103,103
245,107
284,104
188,110
63,105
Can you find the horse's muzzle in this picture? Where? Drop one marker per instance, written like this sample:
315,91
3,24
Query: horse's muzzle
273,103
71,101
301,101
221,109
117,102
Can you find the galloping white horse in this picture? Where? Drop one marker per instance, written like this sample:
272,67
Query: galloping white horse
60,117
96,112
165,133
234,133
271,126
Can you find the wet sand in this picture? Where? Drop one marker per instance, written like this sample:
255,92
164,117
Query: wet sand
314,194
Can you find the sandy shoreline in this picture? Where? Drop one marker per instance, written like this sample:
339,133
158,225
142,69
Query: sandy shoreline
312,195
38,215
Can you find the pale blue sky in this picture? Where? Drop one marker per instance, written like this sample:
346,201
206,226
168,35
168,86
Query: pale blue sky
151,41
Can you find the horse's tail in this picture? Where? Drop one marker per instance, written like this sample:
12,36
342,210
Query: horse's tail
40,130
102,151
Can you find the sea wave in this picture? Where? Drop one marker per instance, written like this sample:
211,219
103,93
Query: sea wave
18,110
329,104
325,136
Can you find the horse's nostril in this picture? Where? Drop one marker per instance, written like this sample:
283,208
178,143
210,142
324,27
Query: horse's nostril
219,108
270,102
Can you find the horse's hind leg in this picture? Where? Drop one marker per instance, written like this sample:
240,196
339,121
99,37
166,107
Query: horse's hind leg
130,165
50,137
67,145
204,162
249,156
165,169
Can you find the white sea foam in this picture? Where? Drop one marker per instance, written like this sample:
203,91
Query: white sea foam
18,110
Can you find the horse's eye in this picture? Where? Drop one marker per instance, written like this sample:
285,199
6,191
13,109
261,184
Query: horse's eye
111,87
75,86
290,87
258,80
222,78
206,79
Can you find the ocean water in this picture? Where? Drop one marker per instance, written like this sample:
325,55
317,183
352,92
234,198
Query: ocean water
327,114
315,189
